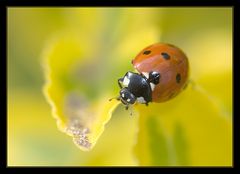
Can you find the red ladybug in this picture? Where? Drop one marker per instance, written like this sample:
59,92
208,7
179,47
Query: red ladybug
163,73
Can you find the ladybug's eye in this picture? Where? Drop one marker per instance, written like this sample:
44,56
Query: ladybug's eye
147,52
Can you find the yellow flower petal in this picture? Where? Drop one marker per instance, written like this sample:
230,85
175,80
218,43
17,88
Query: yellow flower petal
76,114
188,130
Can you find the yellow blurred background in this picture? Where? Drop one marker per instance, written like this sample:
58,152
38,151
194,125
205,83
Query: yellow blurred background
205,34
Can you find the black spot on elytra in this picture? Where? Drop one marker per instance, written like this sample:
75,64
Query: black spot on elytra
165,56
147,52
178,78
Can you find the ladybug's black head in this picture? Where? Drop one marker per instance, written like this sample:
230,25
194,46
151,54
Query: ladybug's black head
137,88
127,97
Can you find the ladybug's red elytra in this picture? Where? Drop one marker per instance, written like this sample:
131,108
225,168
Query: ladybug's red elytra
163,74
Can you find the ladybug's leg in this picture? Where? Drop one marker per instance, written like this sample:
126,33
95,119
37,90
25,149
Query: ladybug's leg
186,85
193,83
120,81
126,107
146,104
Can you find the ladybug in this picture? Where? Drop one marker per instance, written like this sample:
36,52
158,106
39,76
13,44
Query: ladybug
162,74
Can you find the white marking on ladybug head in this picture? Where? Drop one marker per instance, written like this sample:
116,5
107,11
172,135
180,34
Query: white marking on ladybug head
146,74
128,100
152,86
122,94
126,81
141,100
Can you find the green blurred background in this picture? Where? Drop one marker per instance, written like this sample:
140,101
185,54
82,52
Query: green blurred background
33,138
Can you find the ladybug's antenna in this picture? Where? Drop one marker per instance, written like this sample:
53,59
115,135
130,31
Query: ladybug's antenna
117,98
